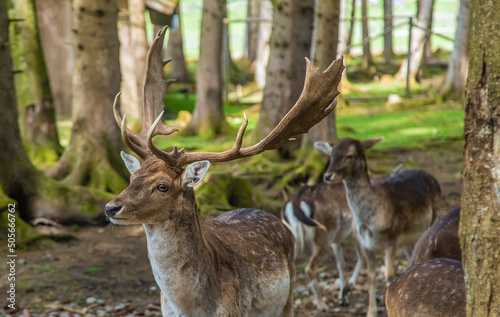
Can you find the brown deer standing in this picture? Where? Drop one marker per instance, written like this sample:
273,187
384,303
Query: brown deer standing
239,264
433,288
395,211
319,215
319,218
440,241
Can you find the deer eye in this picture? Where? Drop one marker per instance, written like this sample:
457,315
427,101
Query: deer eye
162,187
348,157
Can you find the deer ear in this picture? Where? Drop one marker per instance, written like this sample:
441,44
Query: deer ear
368,144
131,162
324,147
194,173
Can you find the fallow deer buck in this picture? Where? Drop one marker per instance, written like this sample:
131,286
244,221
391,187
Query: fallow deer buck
440,241
239,264
433,288
395,211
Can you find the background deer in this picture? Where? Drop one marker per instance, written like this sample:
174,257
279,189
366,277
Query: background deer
433,288
239,264
440,241
320,218
395,211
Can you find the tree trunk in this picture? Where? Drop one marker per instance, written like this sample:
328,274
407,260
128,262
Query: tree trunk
140,49
324,52
36,195
457,69
367,55
92,157
263,37
350,29
33,87
419,36
290,43
208,119
252,31
54,24
388,51
175,50
479,230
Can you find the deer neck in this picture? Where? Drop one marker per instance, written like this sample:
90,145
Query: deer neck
361,197
182,262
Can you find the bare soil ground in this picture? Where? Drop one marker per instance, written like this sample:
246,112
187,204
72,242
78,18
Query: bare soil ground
106,272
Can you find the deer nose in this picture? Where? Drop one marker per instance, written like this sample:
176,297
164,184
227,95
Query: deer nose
112,210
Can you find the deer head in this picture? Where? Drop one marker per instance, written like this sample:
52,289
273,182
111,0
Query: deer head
347,157
159,182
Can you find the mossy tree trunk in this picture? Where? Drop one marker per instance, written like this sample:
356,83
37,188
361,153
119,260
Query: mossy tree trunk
456,77
290,42
208,119
480,217
32,85
92,157
37,195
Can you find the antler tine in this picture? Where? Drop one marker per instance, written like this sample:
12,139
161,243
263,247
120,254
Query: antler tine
136,149
129,137
169,158
229,155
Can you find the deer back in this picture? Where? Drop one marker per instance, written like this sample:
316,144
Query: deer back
411,194
440,241
432,288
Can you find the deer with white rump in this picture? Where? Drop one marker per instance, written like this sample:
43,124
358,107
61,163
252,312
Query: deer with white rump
389,213
239,264
320,218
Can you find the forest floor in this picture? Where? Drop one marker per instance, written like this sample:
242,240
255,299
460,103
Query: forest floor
106,272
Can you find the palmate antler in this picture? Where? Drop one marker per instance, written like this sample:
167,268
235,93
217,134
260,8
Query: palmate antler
316,102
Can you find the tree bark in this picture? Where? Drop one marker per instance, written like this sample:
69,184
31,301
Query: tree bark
419,36
54,20
263,37
35,194
208,119
252,31
140,50
33,86
175,50
92,157
324,52
456,77
388,51
367,54
479,230
347,40
290,43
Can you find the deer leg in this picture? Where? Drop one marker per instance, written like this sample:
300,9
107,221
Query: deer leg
390,255
371,264
339,257
407,250
319,252
359,262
